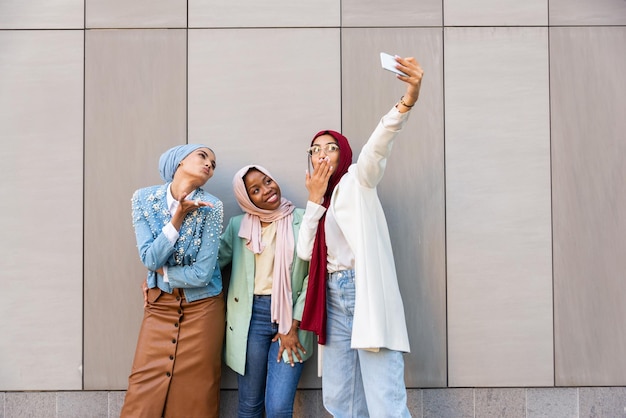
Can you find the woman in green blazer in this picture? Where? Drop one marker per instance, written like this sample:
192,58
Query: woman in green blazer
266,295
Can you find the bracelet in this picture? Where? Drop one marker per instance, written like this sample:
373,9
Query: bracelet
404,104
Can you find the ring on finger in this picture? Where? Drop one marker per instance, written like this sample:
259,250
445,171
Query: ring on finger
197,202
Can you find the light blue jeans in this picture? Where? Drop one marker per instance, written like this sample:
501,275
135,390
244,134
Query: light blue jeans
267,385
357,383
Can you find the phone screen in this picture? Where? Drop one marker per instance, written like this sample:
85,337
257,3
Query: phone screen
389,63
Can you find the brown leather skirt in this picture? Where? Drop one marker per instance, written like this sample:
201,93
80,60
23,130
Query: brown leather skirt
177,366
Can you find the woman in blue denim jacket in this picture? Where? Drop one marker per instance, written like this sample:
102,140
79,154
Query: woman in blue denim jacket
177,366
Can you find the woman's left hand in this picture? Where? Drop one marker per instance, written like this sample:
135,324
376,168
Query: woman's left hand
291,343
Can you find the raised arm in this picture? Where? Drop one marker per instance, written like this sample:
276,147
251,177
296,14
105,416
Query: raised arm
372,160
413,80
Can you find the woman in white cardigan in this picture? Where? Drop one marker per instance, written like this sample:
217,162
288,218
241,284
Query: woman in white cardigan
353,301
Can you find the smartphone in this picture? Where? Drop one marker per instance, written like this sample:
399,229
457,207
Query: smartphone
389,63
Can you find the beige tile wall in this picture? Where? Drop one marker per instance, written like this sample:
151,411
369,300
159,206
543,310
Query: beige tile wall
588,172
495,13
41,161
251,13
581,12
136,14
503,196
42,14
250,92
499,251
391,13
135,108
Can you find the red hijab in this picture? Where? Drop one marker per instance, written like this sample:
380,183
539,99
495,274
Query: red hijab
314,315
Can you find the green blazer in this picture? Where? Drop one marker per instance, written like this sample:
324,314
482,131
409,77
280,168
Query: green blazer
241,291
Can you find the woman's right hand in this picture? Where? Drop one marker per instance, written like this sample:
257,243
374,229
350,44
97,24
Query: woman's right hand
291,344
317,183
184,207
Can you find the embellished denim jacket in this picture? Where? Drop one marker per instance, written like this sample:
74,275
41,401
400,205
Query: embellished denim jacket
192,261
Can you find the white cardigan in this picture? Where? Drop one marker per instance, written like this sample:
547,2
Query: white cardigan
378,314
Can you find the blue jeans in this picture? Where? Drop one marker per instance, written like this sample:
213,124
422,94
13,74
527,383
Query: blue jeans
357,383
266,385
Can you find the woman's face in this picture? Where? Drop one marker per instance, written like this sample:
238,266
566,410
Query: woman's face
324,147
199,164
262,190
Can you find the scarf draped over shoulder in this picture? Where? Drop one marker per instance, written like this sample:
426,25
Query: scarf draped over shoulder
250,230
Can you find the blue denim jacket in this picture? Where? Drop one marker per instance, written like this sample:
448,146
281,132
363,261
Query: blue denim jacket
192,261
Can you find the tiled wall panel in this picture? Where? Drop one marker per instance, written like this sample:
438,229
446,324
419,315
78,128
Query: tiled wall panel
601,401
588,93
580,402
258,96
495,13
41,104
584,12
252,13
135,108
500,402
136,14
412,191
448,403
25,404
498,207
391,13
42,14
552,402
